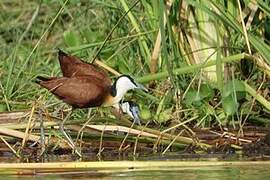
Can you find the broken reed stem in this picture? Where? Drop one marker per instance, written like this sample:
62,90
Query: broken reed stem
10,147
122,143
180,124
26,135
101,142
82,128
137,138
167,148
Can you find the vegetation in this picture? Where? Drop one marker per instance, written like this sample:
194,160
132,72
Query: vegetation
206,63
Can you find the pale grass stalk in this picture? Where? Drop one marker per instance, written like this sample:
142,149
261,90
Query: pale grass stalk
156,50
167,148
122,143
17,134
28,125
113,128
244,27
262,64
257,96
180,124
30,24
250,10
105,66
9,146
101,142
155,53
31,137
231,136
82,128
12,116
154,149
241,132
137,138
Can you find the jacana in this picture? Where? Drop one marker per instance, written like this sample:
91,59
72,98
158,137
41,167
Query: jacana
87,91
73,66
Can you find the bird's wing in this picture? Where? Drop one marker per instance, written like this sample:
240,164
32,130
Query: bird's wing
73,66
79,91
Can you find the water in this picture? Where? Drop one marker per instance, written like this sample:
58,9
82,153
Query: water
242,172
200,172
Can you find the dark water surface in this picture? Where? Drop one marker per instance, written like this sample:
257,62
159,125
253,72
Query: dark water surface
243,172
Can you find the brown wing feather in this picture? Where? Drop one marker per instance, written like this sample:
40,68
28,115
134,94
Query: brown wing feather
79,91
73,66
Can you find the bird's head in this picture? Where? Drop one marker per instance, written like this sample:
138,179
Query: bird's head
125,82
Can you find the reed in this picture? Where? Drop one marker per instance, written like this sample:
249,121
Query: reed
116,166
201,60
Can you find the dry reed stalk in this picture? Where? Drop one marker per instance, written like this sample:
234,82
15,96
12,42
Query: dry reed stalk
106,165
9,146
108,68
34,138
6,117
121,129
28,126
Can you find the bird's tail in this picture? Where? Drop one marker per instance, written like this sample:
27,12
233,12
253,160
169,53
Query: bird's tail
61,52
41,78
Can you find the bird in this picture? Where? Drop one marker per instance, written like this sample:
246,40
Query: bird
87,91
73,66
79,77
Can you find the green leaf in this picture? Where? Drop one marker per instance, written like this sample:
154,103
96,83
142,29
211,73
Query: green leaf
145,114
164,115
92,36
206,92
234,86
3,107
71,38
193,97
123,66
230,106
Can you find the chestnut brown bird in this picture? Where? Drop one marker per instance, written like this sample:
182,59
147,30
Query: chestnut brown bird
85,85
73,66
87,91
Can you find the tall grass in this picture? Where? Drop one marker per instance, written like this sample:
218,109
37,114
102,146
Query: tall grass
182,47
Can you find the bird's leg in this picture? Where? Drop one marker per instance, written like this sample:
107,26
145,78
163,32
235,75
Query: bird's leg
69,139
42,134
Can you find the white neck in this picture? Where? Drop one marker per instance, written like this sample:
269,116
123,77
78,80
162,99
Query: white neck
120,92
122,85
